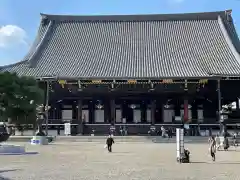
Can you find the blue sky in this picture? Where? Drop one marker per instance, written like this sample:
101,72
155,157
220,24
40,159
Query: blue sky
19,19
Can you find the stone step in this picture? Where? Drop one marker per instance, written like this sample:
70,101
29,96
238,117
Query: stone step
155,139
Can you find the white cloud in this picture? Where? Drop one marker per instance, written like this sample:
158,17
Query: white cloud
11,35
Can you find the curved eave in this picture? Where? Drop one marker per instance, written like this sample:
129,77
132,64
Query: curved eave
124,78
40,43
229,40
5,67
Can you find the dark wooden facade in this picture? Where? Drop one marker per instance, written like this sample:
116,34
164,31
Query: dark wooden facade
138,104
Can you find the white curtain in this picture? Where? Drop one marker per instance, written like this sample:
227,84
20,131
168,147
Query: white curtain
200,115
168,115
118,115
136,115
99,116
149,115
66,114
85,113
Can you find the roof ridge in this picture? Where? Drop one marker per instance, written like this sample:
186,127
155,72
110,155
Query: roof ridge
228,39
137,17
31,58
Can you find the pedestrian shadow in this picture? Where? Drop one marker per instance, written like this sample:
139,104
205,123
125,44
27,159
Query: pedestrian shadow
214,162
7,170
4,178
121,152
18,154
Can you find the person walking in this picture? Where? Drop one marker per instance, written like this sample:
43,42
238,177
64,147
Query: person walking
218,143
170,132
226,143
109,143
212,148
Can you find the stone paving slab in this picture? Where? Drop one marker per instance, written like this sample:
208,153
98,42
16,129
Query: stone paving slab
138,161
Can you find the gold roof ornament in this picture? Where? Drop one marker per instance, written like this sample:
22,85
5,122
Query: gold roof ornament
167,81
132,81
96,81
203,81
62,82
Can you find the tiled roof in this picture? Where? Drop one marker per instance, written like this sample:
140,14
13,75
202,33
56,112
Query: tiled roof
133,46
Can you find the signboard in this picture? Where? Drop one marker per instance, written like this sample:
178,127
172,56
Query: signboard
67,129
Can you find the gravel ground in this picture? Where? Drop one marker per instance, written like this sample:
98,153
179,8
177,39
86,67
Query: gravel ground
138,161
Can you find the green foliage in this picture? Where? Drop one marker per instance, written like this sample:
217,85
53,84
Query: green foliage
16,93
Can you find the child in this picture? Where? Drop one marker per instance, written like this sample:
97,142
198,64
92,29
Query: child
109,143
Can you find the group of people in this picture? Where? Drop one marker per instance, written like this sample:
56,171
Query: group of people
166,132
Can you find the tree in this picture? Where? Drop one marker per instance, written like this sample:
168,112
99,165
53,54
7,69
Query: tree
16,93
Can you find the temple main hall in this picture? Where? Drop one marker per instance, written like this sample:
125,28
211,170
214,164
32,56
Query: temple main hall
135,70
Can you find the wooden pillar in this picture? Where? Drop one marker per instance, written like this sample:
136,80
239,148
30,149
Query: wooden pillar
237,104
91,112
185,104
79,111
79,117
143,112
219,100
113,111
106,112
221,119
153,109
195,111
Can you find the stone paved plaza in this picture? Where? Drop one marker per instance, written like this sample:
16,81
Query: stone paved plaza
143,161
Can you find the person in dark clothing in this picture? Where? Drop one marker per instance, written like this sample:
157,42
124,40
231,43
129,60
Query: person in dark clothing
226,143
110,142
170,132
212,148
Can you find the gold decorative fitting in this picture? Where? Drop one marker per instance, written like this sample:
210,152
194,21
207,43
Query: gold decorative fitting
132,81
96,81
62,82
167,81
203,81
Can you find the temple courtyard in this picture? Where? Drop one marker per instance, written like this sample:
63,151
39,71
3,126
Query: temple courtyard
128,161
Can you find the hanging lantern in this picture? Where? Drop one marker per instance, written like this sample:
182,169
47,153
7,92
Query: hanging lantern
167,106
99,106
132,106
